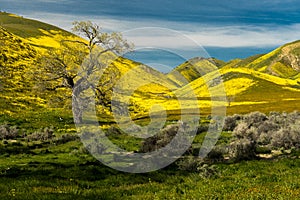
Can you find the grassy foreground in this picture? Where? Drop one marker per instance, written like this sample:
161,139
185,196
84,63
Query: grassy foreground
61,169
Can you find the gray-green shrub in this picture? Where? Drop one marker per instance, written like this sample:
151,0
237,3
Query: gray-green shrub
43,134
8,132
242,149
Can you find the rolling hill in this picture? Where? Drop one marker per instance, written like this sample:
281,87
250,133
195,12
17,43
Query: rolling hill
193,69
261,82
282,62
16,56
23,40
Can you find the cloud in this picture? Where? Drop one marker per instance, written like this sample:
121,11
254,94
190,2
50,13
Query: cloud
243,36
184,35
197,11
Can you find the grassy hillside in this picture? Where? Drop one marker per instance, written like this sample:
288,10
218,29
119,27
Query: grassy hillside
261,82
246,89
27,28
192,69
41,35
282,62
16,57
246,81
24,40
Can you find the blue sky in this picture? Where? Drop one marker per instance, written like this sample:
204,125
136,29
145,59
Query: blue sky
225,29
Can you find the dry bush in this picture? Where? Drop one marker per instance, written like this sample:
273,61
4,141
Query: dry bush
267,126
242,149
231,122
243,130
255,118
216,154
189,163
264,138
42,135
165,137
286,138
161,139
66,138
202,128
8,132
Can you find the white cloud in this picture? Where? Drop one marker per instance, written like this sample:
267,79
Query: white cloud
187,35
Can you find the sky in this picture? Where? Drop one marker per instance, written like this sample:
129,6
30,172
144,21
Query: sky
168,32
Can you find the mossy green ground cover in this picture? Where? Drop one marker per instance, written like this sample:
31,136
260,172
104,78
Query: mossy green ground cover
64,171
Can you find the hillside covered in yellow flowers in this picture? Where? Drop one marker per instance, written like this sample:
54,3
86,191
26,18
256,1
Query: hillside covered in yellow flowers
269,82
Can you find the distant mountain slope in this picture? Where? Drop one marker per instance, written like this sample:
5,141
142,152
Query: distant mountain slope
246,89
138,73
192,69
282,62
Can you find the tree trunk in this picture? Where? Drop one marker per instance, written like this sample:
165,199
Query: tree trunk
77,111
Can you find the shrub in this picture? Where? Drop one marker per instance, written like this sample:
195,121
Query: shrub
263,150
66,138
244,131
202,128
264,138
240,130
161,139
255,118
13,133
164,137
189,163
257,133
113,131
4,131
196,164
295,135
242,149
216,154
42,135
294,117
275,117
267,126
207,171
8,132
286,138
231,122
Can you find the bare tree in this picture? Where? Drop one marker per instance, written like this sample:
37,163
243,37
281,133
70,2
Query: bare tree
78,62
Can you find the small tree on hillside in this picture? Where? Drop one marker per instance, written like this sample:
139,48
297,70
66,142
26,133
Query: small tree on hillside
76,64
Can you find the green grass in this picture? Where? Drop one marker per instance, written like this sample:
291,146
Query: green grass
192,69
283,70
26,28
32,120
62,171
